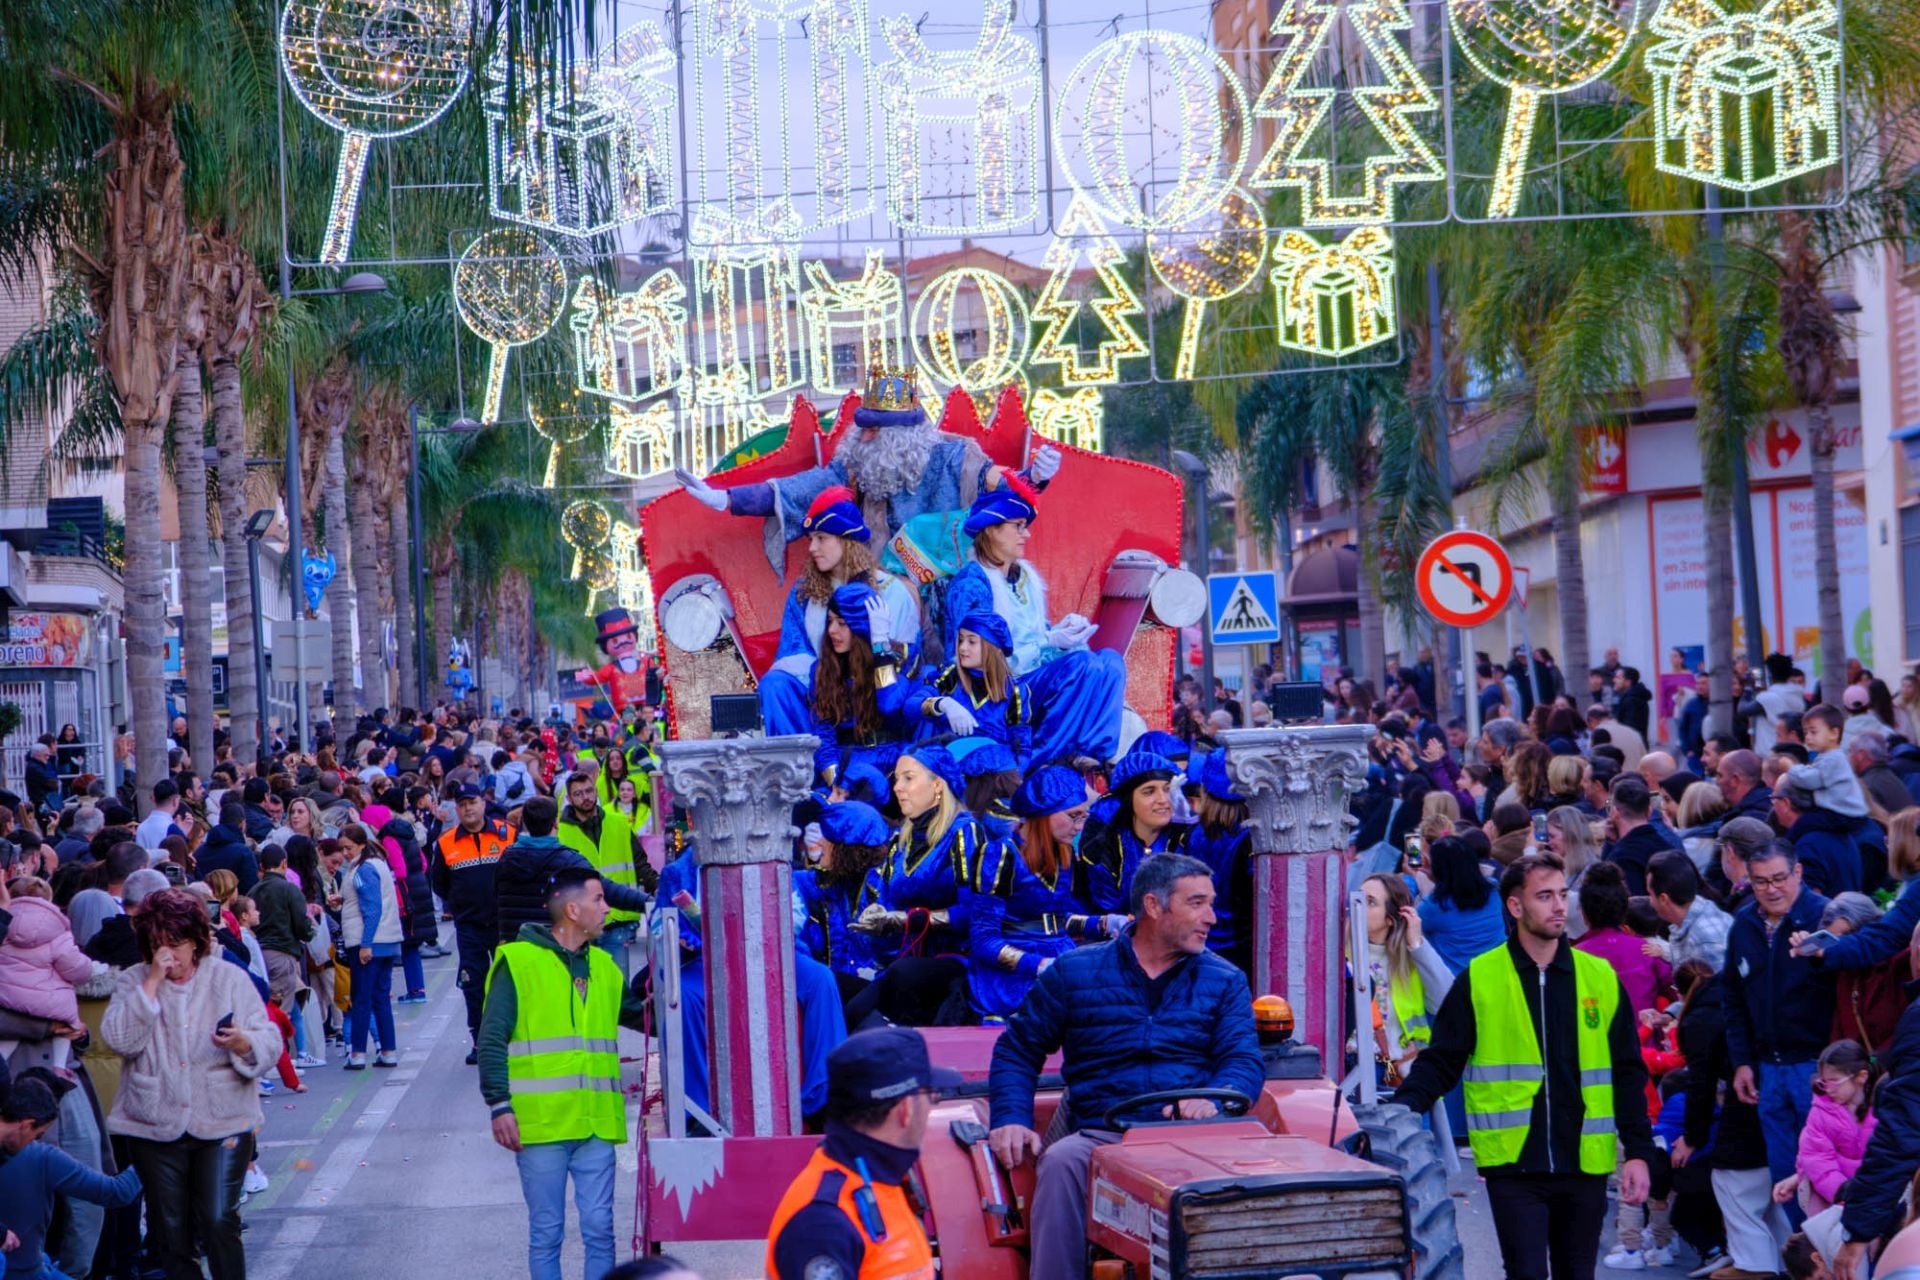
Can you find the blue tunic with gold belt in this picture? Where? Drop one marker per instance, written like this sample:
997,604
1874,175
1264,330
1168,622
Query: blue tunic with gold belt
1108,861
925,874
1017,918
830,906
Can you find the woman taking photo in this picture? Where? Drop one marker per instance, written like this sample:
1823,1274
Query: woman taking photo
370,934
195,1039
1409,978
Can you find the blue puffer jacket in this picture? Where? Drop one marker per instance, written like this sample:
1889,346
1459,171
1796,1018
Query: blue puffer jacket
1829,856
1093,1002
1873,1196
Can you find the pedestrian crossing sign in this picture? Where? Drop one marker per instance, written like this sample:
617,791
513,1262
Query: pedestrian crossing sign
1243,608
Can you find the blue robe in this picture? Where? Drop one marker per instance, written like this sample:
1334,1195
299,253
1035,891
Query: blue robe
829,909
787,685
841,744
1230,855
1015,920
1007,721
1105,868
918,875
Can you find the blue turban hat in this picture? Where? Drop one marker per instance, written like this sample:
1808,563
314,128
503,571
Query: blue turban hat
835,512
851,822
990,627
1015,499
939,761
849,603
1050,789
1214,780
1137,767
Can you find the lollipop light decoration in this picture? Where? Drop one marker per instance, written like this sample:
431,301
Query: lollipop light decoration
372,69
509,287
1537,48
1207,267
563,415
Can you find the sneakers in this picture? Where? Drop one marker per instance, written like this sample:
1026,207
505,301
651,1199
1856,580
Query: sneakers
1709,1264
386,1058
1625,1260
306,1062
1656,1256
413,997
255,1182
266,1086
356,1062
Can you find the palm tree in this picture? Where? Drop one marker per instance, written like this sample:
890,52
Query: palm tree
189,432
364,533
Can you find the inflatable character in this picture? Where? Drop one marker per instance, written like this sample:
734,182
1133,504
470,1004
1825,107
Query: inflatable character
459,670
624,678
315,573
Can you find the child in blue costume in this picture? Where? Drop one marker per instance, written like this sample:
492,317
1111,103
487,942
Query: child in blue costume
992,776
1024,914
1076,693
822,1021
838,552
977,695
910,905
1142,825
860,705
1223,842
852,839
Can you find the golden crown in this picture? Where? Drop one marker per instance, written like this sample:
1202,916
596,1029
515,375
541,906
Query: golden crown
890,389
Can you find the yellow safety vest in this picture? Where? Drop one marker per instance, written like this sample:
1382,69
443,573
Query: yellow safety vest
1505,1070
1409,996
612,858
563,1063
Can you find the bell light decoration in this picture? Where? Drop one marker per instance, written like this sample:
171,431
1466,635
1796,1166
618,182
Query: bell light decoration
372,69
629,346
1335,299
1745,100
509,287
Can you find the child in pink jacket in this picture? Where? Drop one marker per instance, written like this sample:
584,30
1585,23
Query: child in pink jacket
1835,1137
40,963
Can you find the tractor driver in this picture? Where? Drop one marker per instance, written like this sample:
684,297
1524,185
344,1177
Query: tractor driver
1151,1010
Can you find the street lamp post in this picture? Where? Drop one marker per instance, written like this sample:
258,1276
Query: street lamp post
460,426
256,528
1202,479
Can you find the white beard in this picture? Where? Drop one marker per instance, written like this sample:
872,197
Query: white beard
890,463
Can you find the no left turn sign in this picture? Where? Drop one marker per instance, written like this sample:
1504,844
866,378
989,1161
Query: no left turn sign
1464,578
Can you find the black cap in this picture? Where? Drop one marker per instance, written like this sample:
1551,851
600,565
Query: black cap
883,1065
469,791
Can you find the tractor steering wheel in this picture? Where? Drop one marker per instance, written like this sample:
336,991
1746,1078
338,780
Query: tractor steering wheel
1232,1102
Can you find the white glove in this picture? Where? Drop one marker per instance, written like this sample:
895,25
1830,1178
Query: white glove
811,837
703,493
1071,632
879,624
1111,926
959,719
1045,465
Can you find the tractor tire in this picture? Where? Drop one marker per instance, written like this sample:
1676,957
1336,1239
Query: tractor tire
1397,1140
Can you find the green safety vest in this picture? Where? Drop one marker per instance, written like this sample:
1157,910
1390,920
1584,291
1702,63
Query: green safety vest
563,1063
1409,996
1505,1071
612,858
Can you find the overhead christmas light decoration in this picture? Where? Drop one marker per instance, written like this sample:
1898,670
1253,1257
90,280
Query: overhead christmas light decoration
962,128
372,69
586,527
607,557
630,346
1082,235
640,441
1076,419
1745,100
585,165
748,87
1335,299
563,415
744,341
997,325
1299,111
1537,48
1152,111
1209,266
509,287
862,315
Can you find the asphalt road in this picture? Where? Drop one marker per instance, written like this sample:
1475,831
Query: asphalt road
382,1172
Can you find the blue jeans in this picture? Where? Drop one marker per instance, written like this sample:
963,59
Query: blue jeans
1786,1098
544,1167
372,1001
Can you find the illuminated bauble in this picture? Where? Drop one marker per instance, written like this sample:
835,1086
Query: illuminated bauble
509,287
1205,265
1151,125
999,326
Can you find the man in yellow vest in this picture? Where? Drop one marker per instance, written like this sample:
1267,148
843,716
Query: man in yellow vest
550,1068
847,1216
1544,1037
603,836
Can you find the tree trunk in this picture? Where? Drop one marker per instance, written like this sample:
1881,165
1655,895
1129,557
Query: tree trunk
1570,565
244,694
366,575
1826,554
442,566
1372,664
146,610
400,535
189,428
1718,504
340,593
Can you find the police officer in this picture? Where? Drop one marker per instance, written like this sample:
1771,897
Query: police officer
1545,1039
461,873
847,1216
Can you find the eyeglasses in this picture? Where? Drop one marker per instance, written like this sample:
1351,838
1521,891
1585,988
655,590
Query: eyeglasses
1771,882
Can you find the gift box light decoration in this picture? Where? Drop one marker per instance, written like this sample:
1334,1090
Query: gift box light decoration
1205,266
629,346
640,440
1082,238
1335,299
862,315
509,287
585,163
985,307
757,66
962,128
1299,109
1537,48
1151,125
1745,100
372,69
1073,418
562,415
744,337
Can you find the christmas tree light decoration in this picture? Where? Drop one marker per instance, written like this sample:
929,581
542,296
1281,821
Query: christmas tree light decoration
999,327
1152,111
1212,265
1075,419
509,287
862,314
563,415
372,69
962,128
1299,110
1335,299
747,88
1745,100
630,346
1537,48
1081,233
585,165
